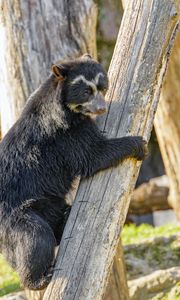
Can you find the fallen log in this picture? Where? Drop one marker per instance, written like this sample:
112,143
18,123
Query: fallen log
150,196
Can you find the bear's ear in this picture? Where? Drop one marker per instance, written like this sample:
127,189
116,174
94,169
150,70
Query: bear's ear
86,56
59,71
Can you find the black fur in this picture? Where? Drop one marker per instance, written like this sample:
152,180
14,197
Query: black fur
40,156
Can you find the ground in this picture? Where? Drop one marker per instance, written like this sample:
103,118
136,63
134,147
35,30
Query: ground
152,257
134,249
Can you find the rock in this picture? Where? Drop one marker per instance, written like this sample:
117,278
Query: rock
151,255
14,296
153,268
159,282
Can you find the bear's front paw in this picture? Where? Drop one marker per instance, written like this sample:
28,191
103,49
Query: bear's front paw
140,148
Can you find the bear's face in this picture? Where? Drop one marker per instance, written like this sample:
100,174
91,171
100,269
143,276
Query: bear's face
84,84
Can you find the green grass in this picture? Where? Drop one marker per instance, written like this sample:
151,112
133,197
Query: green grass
9,280
158,255
132,234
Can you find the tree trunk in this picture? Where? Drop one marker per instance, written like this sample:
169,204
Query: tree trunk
167,125
34,34
92,232
117,288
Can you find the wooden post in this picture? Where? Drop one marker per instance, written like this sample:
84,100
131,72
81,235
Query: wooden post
117,288
167,125
137,69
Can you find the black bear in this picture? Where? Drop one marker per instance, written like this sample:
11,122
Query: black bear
54,140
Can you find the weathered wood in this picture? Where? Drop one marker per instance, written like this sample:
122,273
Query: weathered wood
167,125
91,236
34,34
110,12
150,196
117,288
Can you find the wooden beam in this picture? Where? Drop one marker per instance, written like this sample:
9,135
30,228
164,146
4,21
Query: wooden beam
167,126
117,288
136,72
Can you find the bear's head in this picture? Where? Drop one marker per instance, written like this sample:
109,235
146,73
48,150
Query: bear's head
84,84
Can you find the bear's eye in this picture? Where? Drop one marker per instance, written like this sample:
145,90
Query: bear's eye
88,91
79,107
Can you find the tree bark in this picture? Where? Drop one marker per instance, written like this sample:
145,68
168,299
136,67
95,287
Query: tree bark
167,125
34,34
150,196
92,232
117,288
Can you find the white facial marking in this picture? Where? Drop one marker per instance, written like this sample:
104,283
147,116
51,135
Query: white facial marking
93,83
96,79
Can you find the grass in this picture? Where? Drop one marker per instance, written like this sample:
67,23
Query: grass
132,234
9,280
157,256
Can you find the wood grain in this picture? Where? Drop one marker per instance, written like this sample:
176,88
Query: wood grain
150,196
167,125
136,72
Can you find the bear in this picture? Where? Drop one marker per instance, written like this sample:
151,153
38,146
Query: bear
55,140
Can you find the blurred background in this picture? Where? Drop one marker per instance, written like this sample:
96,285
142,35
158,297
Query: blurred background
36,33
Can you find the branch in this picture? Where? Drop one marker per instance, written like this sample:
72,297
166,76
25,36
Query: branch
150,196
167,126
92,233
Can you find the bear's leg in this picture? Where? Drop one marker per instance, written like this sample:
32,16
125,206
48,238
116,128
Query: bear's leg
59,228
54,211
33,243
